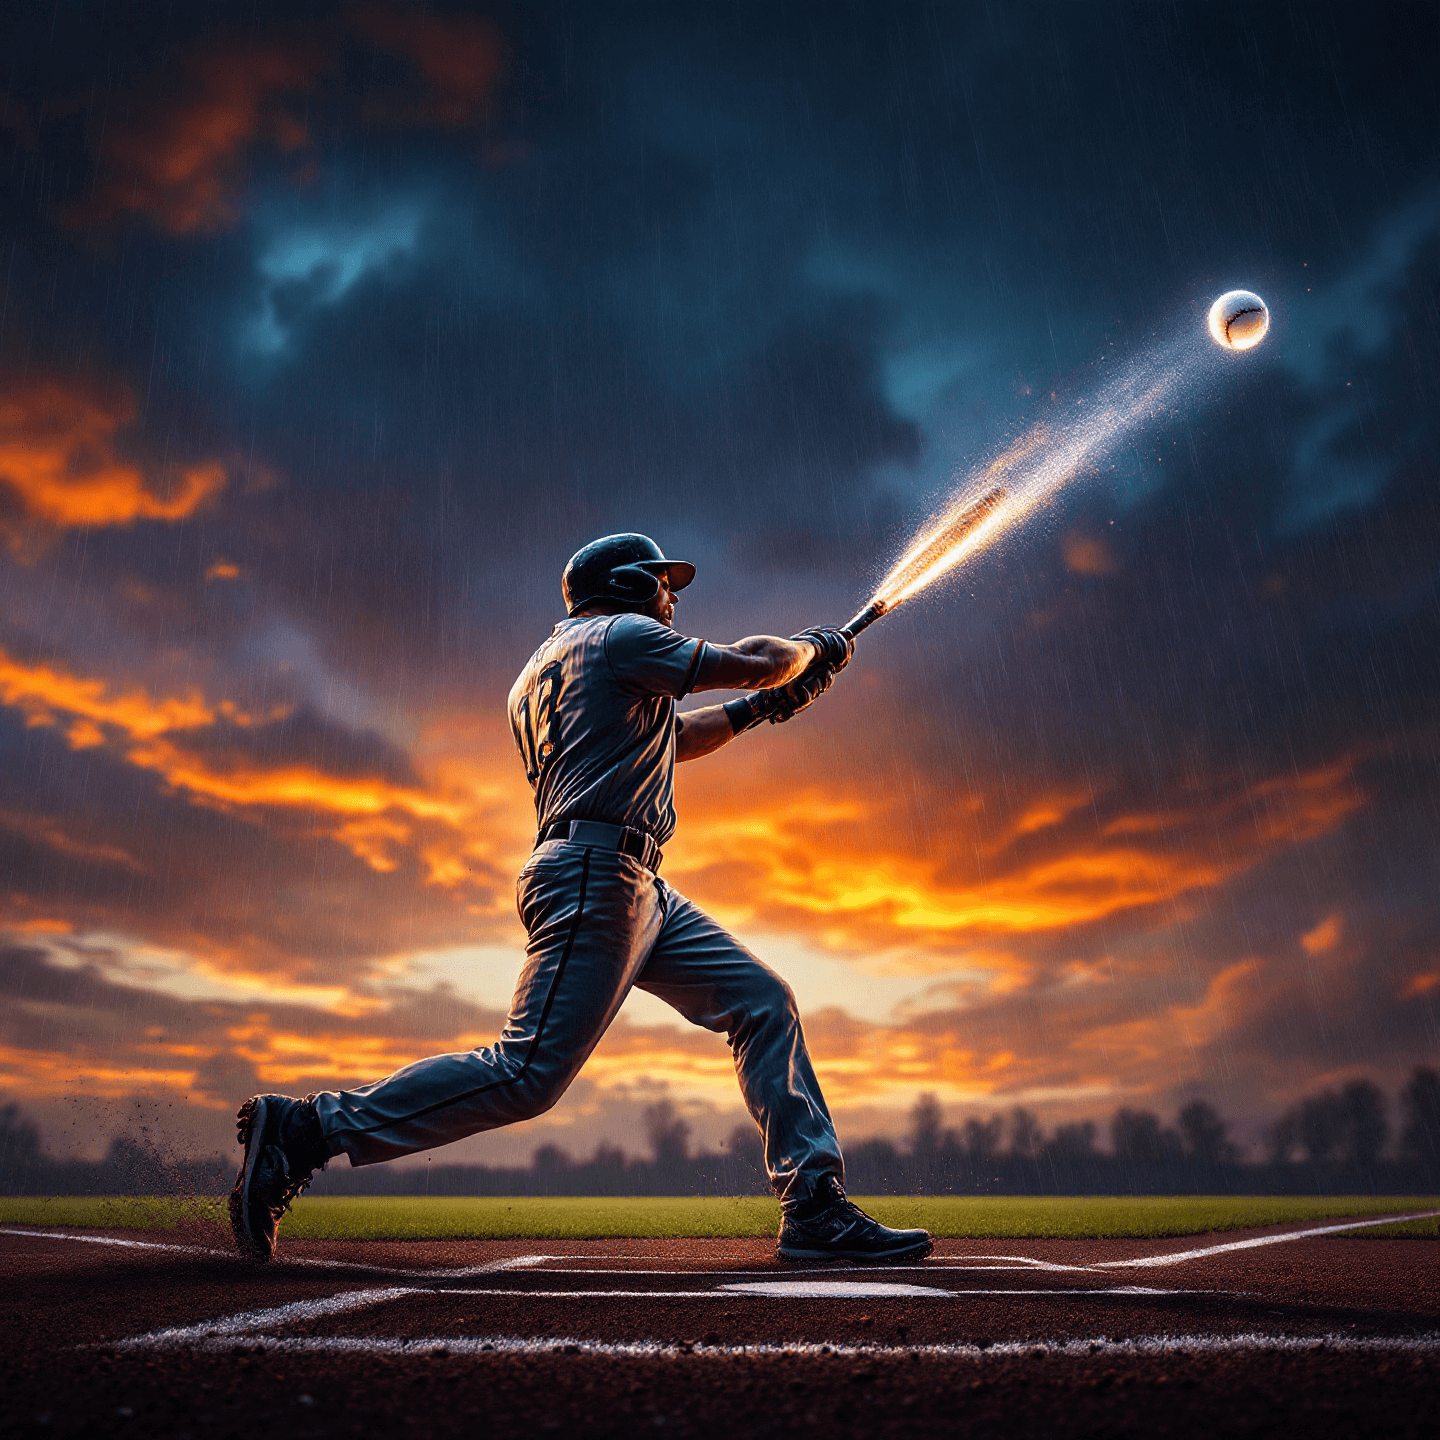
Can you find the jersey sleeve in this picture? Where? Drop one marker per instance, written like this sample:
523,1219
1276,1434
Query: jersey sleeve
649,658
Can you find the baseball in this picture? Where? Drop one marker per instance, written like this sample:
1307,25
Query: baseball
1239,320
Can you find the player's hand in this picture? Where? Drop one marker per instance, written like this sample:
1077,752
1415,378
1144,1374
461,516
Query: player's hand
835,647
785,702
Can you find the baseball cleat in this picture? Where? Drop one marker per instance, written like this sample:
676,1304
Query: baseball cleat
284,1146
829,1226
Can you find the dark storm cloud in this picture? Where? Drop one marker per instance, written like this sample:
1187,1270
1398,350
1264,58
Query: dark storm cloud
726,257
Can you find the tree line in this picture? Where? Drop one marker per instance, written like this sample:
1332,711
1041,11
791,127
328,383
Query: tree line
1334,1141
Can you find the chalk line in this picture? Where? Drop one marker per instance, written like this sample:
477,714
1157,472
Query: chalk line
308,1262
1094,1348
1147,1262
248,1322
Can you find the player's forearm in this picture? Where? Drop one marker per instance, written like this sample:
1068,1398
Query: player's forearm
702,732
758,662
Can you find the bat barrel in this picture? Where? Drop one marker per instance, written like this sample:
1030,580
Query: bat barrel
866,618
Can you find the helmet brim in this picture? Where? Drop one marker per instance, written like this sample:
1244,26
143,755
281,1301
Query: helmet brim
681,572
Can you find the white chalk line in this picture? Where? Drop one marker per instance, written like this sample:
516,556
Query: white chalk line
1095,1348
807,1290
255,1323
490,1267
251,1322
1151,1261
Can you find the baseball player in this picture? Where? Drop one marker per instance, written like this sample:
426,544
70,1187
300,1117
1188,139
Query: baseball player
593,714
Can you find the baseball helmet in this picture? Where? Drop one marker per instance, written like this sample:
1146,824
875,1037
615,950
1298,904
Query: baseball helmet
620,570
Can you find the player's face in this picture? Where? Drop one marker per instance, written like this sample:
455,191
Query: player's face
662,607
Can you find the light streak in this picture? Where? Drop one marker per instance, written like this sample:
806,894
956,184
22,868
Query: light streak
992,500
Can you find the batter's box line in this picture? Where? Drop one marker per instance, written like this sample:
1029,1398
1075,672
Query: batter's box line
253,1325
1154,1346
302,1262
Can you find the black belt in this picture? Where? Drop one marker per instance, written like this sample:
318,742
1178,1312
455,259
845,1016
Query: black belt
636,843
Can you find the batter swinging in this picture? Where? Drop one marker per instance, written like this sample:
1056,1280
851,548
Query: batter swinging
593,713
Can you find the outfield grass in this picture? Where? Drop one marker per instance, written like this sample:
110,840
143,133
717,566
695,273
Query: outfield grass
585,1218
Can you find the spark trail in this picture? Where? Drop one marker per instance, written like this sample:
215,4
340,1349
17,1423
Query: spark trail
995,498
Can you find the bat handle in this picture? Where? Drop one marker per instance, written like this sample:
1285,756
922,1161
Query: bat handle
866,618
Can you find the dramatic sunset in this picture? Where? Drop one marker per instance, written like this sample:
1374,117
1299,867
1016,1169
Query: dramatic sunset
328,334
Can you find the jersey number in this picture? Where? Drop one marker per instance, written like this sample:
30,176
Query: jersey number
540,735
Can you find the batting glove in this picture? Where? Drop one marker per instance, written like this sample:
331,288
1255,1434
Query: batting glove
835,646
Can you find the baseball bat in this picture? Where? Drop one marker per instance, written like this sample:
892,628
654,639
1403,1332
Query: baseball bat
865,619
964,523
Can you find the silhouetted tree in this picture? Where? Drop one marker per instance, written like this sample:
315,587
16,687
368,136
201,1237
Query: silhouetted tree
874,1167
19,1142
1366,1127
608,1168
1321,1125
982,1139
551,1160
744,1167
925,1134
1282,1136
1075,1141
1138,1138
1026,1136
1206,1135
1420,1109
669,1137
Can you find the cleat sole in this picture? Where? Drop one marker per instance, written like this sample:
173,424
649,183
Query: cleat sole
909,1255
247,1128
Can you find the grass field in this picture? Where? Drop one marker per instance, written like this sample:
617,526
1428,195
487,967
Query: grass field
577,1218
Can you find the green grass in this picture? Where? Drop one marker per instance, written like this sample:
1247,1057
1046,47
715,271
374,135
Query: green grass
110,1212
573,1218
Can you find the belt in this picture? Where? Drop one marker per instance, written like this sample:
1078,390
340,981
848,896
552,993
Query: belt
635,843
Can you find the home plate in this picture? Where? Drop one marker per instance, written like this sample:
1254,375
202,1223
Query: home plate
838,1289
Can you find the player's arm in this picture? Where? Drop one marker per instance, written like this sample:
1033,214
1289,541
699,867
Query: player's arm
763,662
755,663
702,732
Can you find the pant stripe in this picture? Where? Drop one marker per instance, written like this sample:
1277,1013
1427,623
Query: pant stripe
534,1039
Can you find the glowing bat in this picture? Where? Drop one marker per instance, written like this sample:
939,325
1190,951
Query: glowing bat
943,547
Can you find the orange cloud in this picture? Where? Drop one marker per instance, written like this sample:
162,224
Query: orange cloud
60,467
1087,556
800,862
49,833
179,160
449,822
1325,936
43,692
242,785
1177,1028
32,1073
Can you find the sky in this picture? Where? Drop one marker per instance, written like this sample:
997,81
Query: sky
329,332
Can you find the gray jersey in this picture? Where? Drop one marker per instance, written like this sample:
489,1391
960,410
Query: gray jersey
594,716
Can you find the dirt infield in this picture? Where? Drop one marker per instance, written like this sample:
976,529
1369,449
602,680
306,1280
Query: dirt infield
1304,1326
